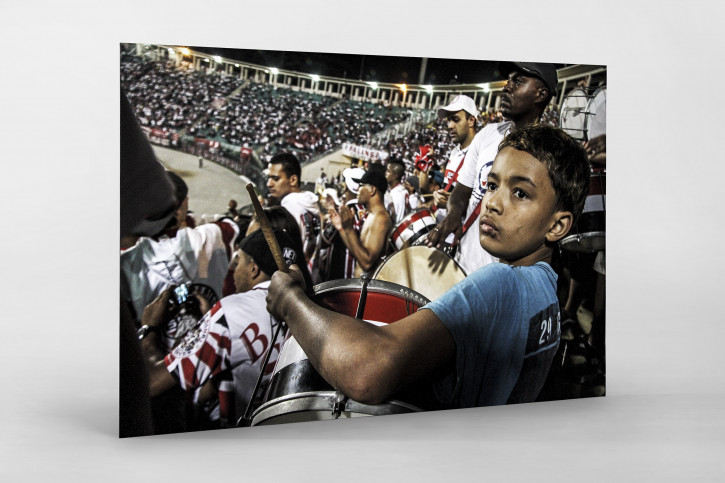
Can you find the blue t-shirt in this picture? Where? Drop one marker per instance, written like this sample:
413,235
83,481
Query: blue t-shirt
506,325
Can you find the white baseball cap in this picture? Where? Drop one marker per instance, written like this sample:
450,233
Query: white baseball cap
350,175
460,103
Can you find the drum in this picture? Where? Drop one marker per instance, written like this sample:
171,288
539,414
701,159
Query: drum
596,122
428,271
584,117
573,113
298,393
588,234
412,227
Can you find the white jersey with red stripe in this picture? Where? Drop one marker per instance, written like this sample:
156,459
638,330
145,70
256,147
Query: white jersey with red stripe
233,337
457,156
299,203
474,173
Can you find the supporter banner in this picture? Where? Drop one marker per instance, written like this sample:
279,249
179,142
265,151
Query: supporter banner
161,136
362,152
210,144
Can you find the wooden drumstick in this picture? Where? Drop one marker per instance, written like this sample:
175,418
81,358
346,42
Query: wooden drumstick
267,230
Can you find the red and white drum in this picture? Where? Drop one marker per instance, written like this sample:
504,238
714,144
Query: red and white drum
298,393
412,227
428,271
588,234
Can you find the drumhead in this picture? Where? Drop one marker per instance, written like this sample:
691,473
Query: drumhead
426,270
596,123
573,113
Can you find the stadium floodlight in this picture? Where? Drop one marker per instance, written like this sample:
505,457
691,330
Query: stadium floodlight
185,51
374,85
206,60
315,77
429,89
485,87
236,65
403,87
217,59
275,70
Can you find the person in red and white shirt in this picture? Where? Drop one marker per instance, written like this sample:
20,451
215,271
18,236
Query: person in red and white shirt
461,115
229,343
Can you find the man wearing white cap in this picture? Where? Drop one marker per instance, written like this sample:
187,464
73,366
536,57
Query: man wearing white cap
461,116
528,90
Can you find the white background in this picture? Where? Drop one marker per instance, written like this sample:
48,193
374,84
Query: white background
663,416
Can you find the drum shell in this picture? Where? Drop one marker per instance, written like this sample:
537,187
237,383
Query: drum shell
296,390
412,228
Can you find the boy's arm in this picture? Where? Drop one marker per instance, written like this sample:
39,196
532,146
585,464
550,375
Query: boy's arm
367,363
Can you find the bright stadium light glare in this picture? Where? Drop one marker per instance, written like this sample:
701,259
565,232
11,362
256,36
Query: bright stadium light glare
485,87
403,87
315,77
236,65
206,60
171,51
217,59
184,51
374,85
275,70
428,88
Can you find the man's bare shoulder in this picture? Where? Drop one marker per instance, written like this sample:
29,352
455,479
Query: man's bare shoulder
379,217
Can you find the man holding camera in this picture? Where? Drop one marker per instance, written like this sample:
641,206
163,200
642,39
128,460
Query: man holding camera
230,341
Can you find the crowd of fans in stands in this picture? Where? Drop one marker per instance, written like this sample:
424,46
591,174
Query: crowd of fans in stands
241,113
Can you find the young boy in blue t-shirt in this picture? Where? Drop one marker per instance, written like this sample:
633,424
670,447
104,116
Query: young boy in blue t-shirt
491,338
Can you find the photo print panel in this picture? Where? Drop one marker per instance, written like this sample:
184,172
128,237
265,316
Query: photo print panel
314,236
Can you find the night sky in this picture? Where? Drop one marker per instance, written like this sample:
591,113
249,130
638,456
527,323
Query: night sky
399,70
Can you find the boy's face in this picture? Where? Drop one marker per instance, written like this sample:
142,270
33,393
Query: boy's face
517,212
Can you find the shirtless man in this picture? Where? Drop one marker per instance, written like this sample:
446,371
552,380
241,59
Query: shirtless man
370,245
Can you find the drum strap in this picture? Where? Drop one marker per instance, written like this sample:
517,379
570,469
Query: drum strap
472,218
454,176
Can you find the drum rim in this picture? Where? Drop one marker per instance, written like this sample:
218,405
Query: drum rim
282,405
571,242
375,286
